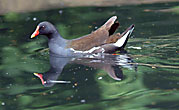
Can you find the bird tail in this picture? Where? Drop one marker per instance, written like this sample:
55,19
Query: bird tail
123,38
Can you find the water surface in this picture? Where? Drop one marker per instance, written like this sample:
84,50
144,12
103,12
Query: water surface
153,47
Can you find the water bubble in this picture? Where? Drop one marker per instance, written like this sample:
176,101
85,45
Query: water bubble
3,103
34,19
60,11
100,78
83,101
51,92
76,84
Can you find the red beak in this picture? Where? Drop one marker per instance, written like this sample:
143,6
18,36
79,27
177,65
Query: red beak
36,32
40,76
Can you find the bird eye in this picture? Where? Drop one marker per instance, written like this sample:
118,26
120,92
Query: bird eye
42,27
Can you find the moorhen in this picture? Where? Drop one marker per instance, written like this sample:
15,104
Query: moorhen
103,40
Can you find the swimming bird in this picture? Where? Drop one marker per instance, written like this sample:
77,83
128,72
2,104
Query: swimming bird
102,40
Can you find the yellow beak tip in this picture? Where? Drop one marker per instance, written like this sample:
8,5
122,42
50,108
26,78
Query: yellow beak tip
35,74
32,36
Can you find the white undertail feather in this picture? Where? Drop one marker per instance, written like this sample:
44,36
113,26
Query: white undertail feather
122,40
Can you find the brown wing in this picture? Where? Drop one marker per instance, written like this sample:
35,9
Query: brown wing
96,38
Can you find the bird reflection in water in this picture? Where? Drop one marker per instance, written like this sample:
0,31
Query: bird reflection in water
111,63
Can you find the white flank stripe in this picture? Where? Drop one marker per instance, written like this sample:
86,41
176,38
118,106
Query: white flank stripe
88,51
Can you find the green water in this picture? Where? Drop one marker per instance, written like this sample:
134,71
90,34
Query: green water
154,85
